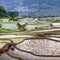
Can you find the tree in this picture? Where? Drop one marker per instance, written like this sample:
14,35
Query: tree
3,12
0,25
21,27
13,14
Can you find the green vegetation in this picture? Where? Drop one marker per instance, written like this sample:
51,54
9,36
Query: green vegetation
12,15
3,12
21,27
57,21
13,19
17,40
0,25
6,30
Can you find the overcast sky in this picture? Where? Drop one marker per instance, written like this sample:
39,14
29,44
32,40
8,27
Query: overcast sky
20,5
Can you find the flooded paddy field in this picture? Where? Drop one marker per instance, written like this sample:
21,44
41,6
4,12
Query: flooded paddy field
35,48
6,57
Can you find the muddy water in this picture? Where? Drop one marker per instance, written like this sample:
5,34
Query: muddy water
41,47
33,49
6,57
12,26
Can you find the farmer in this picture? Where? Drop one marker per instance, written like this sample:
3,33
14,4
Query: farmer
9,46
12,46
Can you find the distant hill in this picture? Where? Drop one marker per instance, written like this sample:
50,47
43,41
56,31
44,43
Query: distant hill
33,7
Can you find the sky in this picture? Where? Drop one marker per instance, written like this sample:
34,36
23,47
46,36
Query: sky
20,5
33,7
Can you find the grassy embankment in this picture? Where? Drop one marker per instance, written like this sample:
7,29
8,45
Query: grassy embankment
2,30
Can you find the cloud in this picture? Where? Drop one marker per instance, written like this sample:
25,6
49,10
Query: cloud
10,3
28,8
18,5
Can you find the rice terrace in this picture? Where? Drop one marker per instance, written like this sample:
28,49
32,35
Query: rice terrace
29,30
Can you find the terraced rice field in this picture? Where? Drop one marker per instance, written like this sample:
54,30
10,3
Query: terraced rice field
35,49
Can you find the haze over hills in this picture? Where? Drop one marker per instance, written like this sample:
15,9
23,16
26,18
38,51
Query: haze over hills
33,7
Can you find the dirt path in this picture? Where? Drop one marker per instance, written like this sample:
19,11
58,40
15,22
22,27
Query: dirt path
15,36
